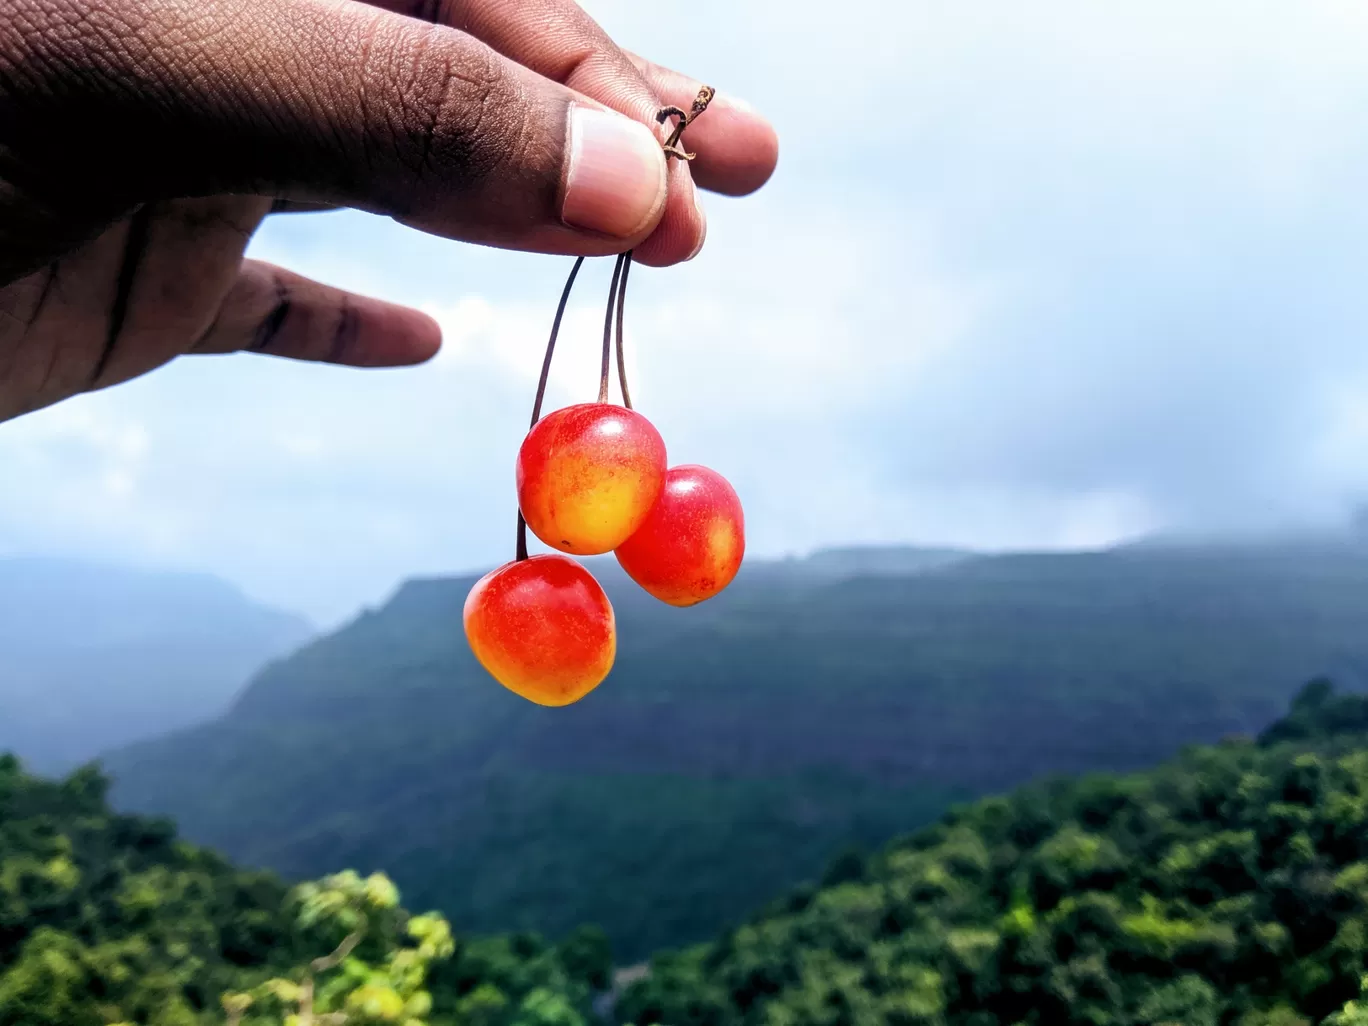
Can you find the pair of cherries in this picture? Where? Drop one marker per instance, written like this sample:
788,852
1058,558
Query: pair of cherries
593,479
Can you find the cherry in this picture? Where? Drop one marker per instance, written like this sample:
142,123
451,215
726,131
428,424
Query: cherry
543,628
588,476
690,547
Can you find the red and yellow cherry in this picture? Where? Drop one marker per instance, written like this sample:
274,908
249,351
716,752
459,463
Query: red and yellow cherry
588,476
543,628
691,545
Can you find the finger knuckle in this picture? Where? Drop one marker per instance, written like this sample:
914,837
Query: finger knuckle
464,120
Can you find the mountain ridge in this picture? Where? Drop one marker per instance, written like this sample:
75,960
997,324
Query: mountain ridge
791,715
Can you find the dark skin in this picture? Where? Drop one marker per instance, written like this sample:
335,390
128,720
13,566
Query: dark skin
142,142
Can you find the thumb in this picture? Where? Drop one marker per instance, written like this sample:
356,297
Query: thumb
325,101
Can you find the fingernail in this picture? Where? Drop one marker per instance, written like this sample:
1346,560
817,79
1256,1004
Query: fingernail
616,181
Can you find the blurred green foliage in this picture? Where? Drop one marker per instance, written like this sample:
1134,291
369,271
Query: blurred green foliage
105,918
344,987
109,919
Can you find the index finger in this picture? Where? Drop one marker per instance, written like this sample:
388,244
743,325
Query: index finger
560,41
737,149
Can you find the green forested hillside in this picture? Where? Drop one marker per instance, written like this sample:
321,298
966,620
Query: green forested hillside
1226,888
111,919
106,918
739,744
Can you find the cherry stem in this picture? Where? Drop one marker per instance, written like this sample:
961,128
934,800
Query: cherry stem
700,104
621,306
608,328
551,342
541,384
617,292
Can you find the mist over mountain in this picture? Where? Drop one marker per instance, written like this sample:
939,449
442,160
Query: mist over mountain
94,656
738,744
876,560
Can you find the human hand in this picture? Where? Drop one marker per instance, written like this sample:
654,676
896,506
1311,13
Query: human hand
142,142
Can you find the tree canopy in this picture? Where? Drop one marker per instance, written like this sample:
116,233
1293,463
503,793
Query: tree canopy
112,919
1229,886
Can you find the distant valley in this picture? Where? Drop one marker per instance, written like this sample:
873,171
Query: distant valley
737,746
94,657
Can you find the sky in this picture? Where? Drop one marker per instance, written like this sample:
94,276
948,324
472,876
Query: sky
1052,275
